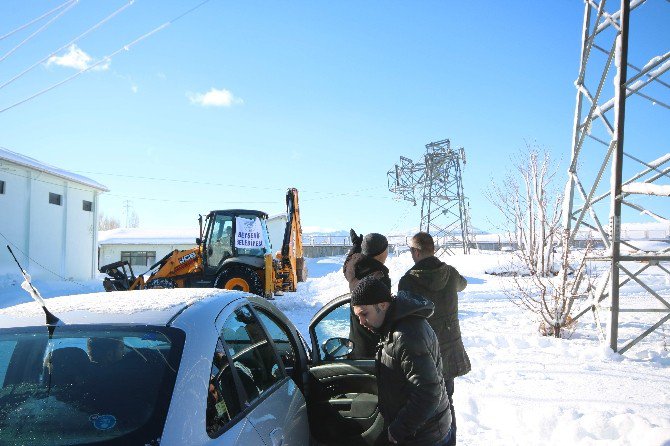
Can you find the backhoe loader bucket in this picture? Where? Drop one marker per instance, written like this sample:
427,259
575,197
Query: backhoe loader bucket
118,279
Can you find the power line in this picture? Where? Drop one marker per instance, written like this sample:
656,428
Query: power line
39,30
129,196
322,194
76,39
126,47
354,193
46,14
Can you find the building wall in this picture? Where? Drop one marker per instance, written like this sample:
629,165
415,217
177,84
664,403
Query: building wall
110,253
14,209
47,227
56,240
276,229
80,227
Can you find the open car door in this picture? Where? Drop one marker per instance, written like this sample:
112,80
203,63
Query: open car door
342,392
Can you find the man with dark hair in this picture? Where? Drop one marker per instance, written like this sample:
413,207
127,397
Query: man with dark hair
439,283
105,351
412,396
366,257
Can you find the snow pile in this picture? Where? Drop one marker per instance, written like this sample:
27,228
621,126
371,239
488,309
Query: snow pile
32,163
11,292
146,306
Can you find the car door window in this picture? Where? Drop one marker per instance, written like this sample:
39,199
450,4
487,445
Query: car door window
281,340
253,357
223,402
335,324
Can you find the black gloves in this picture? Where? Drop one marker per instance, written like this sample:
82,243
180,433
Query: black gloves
356,241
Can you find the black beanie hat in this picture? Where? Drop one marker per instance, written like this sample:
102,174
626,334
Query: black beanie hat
374,244
370,291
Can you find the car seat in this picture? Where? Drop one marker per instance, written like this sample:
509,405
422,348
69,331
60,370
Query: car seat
68,366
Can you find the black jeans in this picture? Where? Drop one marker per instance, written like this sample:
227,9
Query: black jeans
449,383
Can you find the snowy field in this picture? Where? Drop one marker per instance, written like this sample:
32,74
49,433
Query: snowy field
524,389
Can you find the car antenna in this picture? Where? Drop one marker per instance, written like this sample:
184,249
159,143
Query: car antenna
28,286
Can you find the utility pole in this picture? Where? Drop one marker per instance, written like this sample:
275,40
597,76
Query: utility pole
438,179
601,116
127,206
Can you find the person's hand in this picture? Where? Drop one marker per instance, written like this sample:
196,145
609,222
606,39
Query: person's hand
391,439
356,240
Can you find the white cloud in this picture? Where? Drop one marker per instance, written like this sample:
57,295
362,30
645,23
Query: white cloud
214,98
134,88
78,59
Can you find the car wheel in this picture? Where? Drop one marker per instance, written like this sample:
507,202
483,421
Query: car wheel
240,278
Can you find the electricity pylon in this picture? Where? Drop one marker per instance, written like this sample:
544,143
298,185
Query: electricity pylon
438,178
601,116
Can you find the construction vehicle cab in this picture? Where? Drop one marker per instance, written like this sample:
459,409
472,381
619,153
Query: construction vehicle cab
233,251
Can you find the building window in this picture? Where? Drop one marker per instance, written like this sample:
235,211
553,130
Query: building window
88,206
55,198
2,187
139,258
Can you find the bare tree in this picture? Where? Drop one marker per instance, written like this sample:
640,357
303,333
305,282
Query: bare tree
553,298
106,223
531,208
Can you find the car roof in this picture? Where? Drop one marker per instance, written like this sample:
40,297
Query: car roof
151,307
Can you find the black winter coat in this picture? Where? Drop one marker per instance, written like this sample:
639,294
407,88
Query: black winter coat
356,267
440,283
412,394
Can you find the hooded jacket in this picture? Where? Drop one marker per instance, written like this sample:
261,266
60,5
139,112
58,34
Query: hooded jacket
356,267
412,394
440,283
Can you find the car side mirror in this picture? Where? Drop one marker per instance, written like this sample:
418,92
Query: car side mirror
198,241
337,348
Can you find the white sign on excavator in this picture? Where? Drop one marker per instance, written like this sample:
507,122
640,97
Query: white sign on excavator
249,233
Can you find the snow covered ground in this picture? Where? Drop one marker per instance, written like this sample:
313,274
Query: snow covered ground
524,389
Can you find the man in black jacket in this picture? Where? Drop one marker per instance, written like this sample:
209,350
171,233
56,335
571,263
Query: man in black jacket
412,396
439,283
366,257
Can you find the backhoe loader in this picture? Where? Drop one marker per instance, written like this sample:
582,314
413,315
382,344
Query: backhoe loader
233,252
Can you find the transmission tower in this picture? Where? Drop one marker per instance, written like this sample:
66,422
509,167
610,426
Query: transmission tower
127,209
601,116
438,178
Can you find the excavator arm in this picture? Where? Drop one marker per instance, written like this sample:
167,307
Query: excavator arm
292,268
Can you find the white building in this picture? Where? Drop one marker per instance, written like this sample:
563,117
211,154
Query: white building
49,218
142,247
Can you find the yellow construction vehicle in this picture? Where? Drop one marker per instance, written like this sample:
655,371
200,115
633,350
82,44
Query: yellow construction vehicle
234,252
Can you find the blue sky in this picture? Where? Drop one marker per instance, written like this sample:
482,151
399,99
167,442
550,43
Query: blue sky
322,96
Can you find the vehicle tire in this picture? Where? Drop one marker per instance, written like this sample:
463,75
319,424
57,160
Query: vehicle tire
242,278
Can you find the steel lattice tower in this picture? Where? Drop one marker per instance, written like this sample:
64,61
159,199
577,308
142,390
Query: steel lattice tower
438,177
601,116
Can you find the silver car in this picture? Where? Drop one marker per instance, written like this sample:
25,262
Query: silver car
181,367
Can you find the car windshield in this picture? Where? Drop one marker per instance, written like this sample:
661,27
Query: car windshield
108,385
